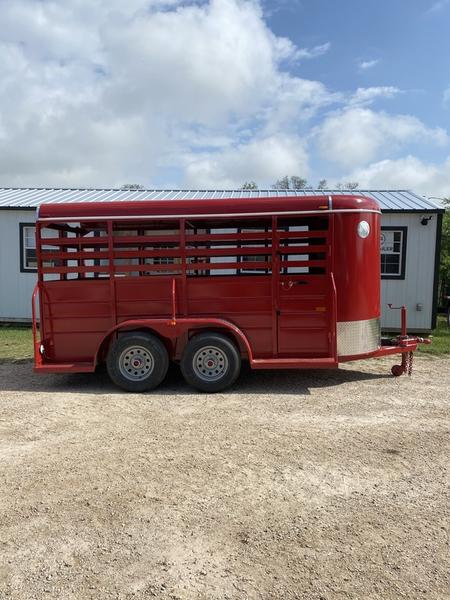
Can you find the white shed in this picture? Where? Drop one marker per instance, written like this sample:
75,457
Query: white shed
411,230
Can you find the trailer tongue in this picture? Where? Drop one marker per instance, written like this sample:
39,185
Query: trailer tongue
403,343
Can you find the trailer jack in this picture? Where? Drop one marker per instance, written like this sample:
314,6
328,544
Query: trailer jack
409,343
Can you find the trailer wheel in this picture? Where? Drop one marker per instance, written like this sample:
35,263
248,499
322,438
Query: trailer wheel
210,362
397,370
137,362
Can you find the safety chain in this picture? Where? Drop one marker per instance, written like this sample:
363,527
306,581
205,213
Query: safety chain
409,363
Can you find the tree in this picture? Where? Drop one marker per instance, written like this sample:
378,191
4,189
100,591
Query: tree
249,185
290,183
322,185
132,186
444,271
281,184
298,183
350,185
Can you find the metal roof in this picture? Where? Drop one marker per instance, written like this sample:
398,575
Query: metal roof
30,198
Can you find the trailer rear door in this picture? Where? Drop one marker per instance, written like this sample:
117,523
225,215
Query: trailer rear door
304,311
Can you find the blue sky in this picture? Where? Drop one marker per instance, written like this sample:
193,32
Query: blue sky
375,43
174,93
407,40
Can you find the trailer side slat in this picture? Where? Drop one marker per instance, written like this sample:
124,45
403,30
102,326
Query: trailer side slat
169,253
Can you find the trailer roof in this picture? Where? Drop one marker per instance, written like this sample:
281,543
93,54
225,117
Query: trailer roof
31,198
206,208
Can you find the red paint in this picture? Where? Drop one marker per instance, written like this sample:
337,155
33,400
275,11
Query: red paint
356,267
91,287
178,208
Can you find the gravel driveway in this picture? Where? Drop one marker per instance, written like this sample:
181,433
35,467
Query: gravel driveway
316,485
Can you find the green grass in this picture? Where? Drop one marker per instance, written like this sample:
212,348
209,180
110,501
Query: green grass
16,343
441,340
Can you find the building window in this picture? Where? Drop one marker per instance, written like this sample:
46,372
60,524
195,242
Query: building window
164,261
28,259
393,252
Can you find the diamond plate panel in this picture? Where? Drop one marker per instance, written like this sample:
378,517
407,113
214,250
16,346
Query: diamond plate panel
358,337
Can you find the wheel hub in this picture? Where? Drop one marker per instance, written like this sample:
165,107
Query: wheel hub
210,363
136,363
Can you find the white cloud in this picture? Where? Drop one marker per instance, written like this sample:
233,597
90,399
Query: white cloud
313,52
356,136
446,97
263,160
297,100
406,173
364,65
370,94
438,6
199,63
105,92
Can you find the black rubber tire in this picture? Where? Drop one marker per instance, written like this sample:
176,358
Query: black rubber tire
228,348
153,345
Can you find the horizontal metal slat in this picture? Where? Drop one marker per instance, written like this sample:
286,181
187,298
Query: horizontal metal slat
247,265
147,268
208,252
144,239
302,249
303,263
65,270
223,237
301,234
86,255
75,242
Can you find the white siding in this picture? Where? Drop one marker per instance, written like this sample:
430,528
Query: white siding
417,287
16,288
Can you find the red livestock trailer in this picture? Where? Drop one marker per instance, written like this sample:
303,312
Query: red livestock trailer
280,282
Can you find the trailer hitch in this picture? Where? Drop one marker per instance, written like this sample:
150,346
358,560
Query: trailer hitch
405,341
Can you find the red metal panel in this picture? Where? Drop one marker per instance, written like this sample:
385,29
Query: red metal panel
243,300
75,316
356,267
304,316
141,298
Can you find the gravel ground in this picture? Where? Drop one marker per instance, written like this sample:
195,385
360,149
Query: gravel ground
316,485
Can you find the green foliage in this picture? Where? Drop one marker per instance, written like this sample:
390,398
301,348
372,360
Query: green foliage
290,183
249,185
298,183
444,273
132,186
282,184
441,340
16,343
349,185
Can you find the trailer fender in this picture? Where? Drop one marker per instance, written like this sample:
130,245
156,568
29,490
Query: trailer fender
170,330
